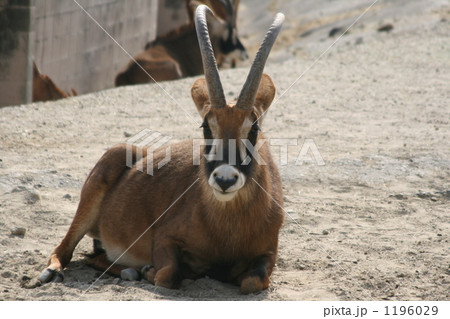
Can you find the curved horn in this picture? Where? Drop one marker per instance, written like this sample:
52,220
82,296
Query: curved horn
215,90
247,96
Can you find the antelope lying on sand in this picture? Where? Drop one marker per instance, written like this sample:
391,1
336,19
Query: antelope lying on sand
220,218
176,54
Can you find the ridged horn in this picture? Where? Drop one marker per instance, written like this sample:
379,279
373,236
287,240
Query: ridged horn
215,90
247,96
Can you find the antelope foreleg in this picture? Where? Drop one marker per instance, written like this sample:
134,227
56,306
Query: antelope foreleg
257,278
166,271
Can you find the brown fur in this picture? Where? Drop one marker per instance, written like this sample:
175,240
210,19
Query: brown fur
215,6
174,55
44,89
234,241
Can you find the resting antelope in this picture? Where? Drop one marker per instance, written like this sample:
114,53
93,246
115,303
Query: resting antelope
220,218
176,54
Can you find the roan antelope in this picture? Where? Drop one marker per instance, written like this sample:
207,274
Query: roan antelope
220,218
176,54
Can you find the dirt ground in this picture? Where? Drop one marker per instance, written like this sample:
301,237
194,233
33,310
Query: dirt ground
373,223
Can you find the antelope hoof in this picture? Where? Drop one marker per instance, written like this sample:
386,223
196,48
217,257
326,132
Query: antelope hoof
251,285
130,274
51,275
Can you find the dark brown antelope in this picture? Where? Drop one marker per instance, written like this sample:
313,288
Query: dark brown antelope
176,54
220,218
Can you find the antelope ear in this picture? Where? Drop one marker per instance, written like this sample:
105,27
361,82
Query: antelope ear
265,94
199,92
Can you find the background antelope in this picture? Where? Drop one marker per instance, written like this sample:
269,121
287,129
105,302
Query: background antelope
230,49
176,54
220,218
44,89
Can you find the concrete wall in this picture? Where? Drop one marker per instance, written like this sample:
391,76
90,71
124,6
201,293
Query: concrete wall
76,53
16,47
171,14
67,44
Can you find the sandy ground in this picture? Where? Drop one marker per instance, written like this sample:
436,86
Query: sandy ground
370,224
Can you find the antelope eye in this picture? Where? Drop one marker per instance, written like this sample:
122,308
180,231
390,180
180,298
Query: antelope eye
255,128
205,125
206,129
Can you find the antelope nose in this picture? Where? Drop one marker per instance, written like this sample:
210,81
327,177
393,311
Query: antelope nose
225,183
